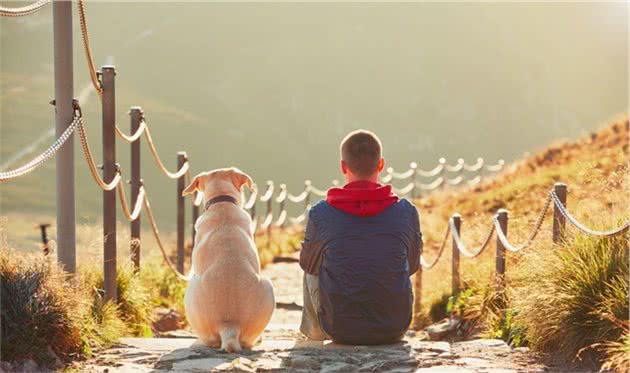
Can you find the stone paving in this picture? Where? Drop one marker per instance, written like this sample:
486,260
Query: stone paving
283,348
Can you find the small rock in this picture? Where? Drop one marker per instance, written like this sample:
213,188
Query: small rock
442,329
304,362
58,364
473,362
180,333
28,365
337,367
5,366
165,319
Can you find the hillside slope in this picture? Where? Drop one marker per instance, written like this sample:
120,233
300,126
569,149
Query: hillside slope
595,168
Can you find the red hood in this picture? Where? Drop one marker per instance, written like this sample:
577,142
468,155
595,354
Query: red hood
362,198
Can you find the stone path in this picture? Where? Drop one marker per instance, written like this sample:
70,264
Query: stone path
284,349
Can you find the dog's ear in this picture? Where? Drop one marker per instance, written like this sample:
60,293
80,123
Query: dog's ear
194,185
240,178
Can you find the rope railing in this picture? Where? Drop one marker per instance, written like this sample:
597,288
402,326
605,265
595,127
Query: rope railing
404,190
143,129
268,193
410,189
581,227
500,225
532,235
497,167
434,172
426,265
474,167
23,11
134,136
455,168
171,175
456,181
252,200
299,198
141,199
46,155
87,152
474,181
431,186
88,51
460,244
131,216
158,240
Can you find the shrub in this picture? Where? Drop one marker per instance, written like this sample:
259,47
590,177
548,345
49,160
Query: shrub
134,303
439,308
164,288
38,307
101,325
484,310
617,353
573,296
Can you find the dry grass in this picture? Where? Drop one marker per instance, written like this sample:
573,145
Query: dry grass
44,312
585,310
595,169
571,297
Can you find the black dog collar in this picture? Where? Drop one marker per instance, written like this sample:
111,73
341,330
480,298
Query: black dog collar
221,198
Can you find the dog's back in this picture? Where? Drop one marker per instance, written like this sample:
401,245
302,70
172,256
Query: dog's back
227,303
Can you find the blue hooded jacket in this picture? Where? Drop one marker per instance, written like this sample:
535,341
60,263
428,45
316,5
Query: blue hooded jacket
364,264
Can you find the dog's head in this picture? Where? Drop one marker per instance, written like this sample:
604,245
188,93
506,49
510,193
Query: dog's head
220,178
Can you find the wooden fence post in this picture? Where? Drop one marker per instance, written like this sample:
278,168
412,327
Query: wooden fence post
442,173
502,216
283,188
109,172
480,170
195,216
417,286
455,284
413,166
559,222
135,114
252,211
181,210
64,169
269,211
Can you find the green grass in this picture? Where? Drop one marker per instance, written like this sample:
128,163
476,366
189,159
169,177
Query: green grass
165,289
134,302
571,296
43,308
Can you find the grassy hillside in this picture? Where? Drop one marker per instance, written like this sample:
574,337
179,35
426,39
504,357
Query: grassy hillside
595,168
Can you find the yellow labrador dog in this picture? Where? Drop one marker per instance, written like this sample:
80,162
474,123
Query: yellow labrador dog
227,302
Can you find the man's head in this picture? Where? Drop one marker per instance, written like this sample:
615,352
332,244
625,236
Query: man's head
361,156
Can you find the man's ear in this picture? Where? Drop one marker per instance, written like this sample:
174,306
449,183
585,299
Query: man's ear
194,185
240,178
344,167
381,164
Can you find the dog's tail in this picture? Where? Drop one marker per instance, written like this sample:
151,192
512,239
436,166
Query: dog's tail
229,338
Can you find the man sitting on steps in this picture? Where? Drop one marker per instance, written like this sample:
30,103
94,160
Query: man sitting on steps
360,247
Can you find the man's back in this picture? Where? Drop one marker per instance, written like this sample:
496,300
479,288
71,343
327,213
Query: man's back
364,264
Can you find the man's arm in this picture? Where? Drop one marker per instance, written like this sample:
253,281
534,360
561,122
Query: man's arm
311,254
414,250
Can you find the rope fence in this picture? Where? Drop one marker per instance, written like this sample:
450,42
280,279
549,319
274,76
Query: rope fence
23,11
110,180
556,196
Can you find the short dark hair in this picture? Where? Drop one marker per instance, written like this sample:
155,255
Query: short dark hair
361,150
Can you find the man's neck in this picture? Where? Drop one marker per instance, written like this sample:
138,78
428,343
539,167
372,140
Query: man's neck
352,179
